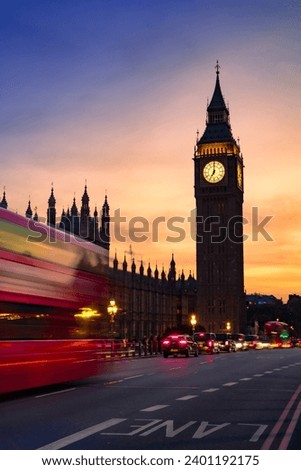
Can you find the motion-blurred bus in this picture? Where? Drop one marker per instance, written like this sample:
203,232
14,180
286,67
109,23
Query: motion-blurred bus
53,292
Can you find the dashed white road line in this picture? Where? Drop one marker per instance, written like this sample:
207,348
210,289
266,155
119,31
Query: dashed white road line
245,379
133,377
154,408
55,393
210,390
112,382
187,397
230,384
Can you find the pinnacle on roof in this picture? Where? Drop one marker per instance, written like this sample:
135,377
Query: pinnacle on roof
28,212
218,127
217,101
74,210
51,200
3,203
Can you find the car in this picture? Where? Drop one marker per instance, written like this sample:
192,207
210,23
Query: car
179,344
252,341
263,343
240,341
225,342
206,342
297,342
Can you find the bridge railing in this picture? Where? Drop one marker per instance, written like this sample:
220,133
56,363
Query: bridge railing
108,348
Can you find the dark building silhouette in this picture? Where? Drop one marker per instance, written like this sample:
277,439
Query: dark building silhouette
219,200
80,222
149,303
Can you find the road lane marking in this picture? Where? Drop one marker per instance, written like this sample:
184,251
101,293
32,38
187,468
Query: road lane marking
78,436
187,397
169,428
55,393
154,408
112,382
133,377
290,430
257,375
269,440
268,372
210,390
230,384
258,433
245,379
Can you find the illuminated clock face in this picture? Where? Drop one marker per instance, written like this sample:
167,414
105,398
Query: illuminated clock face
214,172
239,175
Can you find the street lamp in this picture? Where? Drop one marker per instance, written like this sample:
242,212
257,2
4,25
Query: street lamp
112,310
193,323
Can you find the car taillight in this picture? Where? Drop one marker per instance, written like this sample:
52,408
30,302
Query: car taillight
226,343
166,342
183,341
210,343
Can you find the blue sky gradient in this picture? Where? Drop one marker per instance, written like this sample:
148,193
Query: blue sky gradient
113,91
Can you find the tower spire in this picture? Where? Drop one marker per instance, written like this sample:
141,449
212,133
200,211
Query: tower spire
218,128
51,211
3,203
28,212
104,232
217,101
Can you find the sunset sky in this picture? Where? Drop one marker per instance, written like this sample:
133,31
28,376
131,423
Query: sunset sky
112,93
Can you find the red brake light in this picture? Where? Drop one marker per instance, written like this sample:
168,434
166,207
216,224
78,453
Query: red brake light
183,341
210,343
166,341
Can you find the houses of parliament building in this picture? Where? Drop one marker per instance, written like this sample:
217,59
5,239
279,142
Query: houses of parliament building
151,302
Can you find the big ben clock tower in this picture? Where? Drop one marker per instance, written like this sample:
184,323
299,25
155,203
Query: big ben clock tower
219,221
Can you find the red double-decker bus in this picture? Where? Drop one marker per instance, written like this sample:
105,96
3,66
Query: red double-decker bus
53,291
278,333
